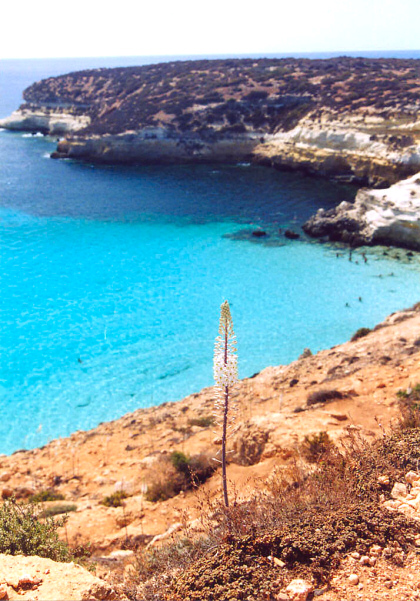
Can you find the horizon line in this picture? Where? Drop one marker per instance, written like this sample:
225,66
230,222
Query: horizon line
261,54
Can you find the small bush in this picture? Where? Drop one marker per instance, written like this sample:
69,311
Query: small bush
409,401
179,461
360,333
115,500
46,495
316,446
323,396
248,444
177,473
22,532
306,353
58,509
167,483
204,422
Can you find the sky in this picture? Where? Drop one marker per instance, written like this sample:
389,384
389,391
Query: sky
87,28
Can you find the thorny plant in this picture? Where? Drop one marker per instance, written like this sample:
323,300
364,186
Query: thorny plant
225,375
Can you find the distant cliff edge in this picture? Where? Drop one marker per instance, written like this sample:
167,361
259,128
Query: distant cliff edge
352,118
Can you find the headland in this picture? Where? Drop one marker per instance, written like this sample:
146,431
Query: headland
352,119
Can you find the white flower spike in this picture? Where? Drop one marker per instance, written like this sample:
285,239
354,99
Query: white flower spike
225,369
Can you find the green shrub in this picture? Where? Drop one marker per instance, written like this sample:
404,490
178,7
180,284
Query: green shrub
58,509
115,500
360,333
23,532
179,461
46,495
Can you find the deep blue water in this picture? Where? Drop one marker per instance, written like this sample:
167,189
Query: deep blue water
111,277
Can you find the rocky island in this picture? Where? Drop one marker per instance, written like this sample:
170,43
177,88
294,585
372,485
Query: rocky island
353,119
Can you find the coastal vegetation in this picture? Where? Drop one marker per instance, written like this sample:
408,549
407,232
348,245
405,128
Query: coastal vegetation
23,530
301,525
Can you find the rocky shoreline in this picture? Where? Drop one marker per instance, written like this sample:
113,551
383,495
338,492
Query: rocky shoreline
390,217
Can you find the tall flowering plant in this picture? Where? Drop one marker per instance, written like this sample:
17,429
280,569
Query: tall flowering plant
225,376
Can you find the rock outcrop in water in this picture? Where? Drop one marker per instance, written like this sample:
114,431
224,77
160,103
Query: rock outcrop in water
351,118
390,216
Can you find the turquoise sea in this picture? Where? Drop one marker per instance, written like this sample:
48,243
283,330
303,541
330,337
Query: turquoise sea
112,277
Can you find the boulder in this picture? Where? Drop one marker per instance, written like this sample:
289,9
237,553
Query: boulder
35,577
298,590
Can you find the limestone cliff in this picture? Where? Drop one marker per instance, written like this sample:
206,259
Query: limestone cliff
351,148
45,121
390,216
350,118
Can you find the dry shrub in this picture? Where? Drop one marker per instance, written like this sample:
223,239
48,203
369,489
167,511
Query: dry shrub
204,421
57,509
316,447
46,495
176,472
409,402
306,517
324,396
115,499
360,333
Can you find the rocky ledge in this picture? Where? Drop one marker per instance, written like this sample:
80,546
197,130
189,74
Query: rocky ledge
351,118
390,216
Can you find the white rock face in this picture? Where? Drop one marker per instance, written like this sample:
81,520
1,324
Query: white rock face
346,137
52,123
390,216
364,150
341,139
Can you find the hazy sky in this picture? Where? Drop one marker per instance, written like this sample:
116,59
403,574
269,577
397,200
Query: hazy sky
50,28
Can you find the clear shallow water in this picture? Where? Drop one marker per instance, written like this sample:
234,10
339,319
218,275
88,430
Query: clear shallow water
112,279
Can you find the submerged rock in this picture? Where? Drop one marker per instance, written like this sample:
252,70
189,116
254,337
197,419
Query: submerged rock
291,235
